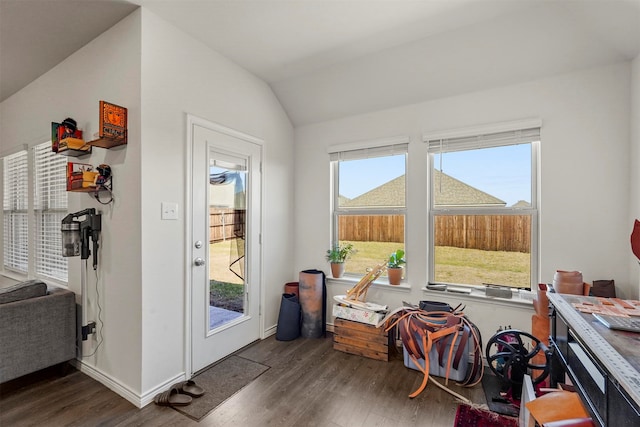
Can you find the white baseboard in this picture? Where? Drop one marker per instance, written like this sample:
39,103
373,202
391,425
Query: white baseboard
148,396
139,400
269,331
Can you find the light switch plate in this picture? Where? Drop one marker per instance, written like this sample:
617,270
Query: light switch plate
169,210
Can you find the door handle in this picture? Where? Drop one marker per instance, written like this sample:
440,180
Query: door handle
198,261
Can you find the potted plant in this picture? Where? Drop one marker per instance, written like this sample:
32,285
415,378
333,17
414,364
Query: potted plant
337,256
394,267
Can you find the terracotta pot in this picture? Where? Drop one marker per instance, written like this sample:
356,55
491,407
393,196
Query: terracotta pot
394,275
337,269
291,288
541,303
568,282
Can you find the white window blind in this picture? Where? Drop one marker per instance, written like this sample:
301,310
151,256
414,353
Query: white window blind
15,207
368,153
50,207
497,139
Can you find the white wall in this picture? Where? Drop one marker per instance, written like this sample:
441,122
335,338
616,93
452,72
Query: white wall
160,74
634,159
180,76
584,176
108,68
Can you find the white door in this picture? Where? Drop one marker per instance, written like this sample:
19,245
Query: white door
225,242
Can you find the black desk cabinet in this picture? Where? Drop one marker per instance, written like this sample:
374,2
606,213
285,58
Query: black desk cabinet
602,364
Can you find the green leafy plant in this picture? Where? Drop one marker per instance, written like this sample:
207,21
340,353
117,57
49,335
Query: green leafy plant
340,253
396,259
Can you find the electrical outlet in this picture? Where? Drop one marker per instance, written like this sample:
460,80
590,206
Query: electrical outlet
87,330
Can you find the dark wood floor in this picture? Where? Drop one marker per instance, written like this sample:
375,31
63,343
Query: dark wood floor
309,384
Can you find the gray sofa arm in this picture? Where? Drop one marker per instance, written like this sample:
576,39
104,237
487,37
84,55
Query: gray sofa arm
36,333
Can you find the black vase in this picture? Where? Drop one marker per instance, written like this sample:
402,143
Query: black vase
289,318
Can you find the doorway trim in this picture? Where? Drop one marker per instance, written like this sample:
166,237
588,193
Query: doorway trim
191,122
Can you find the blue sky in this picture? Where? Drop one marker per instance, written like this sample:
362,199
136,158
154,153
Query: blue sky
503,172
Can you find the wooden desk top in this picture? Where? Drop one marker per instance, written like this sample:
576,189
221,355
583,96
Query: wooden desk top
617,351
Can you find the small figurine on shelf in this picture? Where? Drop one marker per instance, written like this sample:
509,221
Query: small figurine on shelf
69,138
69,127
103,182
103,179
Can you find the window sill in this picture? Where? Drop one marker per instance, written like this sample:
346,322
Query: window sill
381,284
13,276
520,298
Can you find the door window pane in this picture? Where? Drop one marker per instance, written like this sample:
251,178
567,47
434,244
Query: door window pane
227,225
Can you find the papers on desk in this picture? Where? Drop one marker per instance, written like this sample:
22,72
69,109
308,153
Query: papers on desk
608,307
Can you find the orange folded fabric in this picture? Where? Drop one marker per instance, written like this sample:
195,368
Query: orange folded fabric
555,406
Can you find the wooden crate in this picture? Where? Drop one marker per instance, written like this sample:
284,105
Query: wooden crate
361,339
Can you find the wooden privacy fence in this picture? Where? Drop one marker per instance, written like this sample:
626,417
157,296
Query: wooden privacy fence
511,233
371,228
225,224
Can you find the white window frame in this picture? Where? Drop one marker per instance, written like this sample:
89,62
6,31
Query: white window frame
477,137
362,150
46,196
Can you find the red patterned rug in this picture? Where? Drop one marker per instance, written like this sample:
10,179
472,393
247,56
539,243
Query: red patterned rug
467,416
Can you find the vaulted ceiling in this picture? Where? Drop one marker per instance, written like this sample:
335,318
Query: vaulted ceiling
329,59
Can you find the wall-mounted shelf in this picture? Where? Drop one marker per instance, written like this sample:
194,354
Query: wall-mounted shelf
107,142
68,145
75,153
84,178
112,132
113,126
88,190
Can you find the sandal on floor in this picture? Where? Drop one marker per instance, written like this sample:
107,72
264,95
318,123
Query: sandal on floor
189,388
172,397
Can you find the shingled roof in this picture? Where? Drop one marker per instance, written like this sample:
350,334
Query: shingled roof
522,204
448,192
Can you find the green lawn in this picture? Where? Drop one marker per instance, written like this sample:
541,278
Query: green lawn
453,265
227,289
226,295
474,267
